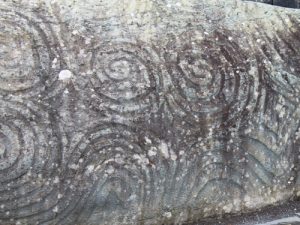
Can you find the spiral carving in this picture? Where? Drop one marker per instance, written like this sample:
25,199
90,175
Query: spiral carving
211,78
114,162
29,159
30,60
127,78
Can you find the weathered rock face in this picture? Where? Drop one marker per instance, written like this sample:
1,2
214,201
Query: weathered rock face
146,112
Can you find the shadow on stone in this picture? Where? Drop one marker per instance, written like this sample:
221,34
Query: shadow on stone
283,3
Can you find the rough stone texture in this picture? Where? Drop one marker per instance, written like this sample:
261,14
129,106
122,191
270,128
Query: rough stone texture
144,111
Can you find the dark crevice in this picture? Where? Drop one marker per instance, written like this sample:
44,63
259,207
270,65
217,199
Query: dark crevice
284,3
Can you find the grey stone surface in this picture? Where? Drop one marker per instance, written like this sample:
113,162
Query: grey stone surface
144,111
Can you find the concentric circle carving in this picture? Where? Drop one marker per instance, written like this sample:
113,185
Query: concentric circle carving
28,163
29,61
126,78
210,78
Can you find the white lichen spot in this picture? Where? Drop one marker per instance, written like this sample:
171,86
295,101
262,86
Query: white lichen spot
56,180
141,160
164,149
110,170
89,72
55,209
73,166
90,168
168,214
148,141
54,63
75,32
152,152
87,41
228,208
173,155
65,75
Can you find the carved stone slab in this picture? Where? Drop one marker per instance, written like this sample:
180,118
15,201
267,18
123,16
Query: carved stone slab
145,111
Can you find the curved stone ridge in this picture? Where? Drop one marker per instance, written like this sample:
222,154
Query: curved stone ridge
149,112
